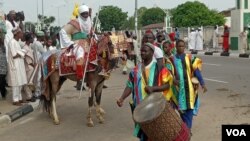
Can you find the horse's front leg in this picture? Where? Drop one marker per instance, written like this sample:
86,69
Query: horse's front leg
99,111
92,85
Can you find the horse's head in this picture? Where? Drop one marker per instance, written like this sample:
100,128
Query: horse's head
105,44
105,49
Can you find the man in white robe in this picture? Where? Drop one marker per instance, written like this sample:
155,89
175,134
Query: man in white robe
192,40
38,49
29,63
199,40
243,39
16,77
10,25
216,38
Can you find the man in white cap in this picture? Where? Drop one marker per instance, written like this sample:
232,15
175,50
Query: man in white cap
79,29
38,50
16,76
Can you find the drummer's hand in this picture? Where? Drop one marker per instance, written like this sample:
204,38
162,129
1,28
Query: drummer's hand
119,102
204,88
149,90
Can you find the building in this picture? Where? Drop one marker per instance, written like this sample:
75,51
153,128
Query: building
227,15
240,18
154,26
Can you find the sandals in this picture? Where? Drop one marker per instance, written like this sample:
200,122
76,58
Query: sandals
17,103
23,101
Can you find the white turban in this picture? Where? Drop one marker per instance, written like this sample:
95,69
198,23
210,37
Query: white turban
83,8
85,23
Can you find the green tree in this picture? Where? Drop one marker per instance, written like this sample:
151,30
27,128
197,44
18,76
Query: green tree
195,13
47,21
140,13
130,23
112,16
152,16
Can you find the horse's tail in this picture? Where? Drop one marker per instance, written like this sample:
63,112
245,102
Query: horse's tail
48,95
46,99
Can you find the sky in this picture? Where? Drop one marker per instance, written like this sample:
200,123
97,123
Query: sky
62,9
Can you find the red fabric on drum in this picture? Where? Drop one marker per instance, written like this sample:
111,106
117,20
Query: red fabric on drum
184,134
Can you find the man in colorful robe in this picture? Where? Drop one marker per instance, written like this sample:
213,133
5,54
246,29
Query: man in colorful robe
145,79
186,67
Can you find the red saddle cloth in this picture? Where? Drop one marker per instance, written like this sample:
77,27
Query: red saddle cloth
92,58
67,64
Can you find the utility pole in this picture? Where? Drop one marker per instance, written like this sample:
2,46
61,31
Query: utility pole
58,15
58,12
42,15
136,18
37,11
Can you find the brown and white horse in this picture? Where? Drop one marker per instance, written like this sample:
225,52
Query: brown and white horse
94,81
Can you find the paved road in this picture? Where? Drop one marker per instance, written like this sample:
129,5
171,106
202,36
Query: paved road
227,101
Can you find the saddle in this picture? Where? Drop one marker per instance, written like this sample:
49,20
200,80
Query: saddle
67,64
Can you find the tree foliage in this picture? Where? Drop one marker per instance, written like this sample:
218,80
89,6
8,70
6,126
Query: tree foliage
112,16
195,13
140,13
46,20
130,23
152,16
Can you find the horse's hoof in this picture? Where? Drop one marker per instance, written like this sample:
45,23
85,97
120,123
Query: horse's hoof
101,111
101,119
56,122
90,123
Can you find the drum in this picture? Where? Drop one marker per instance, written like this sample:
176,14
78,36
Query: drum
159,121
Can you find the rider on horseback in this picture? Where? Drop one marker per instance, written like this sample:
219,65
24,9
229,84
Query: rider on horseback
78,29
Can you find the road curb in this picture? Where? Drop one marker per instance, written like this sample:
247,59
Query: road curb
234,55
18,113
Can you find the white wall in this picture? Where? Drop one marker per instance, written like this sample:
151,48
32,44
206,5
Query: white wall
228,21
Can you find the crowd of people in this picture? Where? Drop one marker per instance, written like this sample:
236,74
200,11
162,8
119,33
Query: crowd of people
162,66
166,68
19,58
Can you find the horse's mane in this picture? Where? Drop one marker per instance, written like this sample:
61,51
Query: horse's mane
104,42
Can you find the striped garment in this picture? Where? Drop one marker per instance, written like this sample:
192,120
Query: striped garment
185,66
154,78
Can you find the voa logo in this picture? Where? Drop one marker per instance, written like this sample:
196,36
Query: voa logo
236,132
